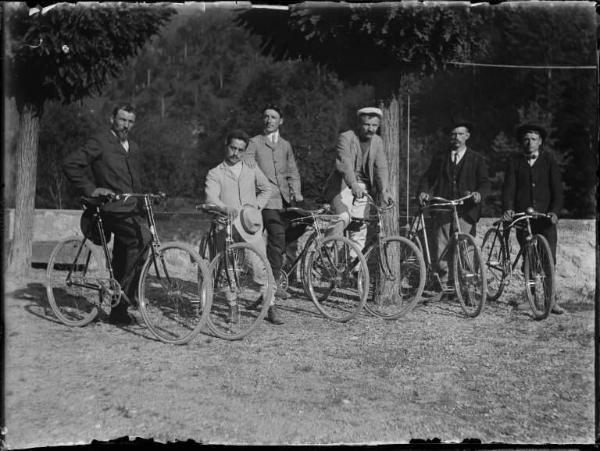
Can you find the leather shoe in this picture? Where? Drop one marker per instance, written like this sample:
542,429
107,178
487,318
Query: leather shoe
557,309
273,316
120,317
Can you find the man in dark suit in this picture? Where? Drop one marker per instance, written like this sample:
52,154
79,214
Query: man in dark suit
275,158
453,173
533,180
109,164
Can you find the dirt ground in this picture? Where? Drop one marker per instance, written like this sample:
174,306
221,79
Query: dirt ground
501,377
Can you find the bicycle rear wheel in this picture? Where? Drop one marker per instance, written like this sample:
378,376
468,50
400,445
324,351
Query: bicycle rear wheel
72,303
174,298
337,278
539,276
397,277
469,275
243,286
496,258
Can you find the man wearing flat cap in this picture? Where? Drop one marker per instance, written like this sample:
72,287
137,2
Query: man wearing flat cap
533,180
275,157
360,167
453,173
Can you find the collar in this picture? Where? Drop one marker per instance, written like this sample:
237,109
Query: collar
124,144
534,156
273,137
460,153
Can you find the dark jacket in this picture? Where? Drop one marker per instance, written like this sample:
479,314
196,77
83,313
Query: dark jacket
103,163
538,186
471,175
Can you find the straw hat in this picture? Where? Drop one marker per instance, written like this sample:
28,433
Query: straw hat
248,223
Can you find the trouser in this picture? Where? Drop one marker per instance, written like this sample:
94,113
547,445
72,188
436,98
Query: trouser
357,208
543,227
259,270
130,249
279,233
443,230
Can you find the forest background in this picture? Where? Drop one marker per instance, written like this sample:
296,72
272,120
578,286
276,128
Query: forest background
205,74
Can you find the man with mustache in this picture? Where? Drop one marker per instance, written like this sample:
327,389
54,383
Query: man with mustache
109,163
453,173
243,190
533,180
360,168
275,157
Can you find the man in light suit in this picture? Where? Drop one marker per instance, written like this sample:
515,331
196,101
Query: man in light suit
360,167
533,180
452,173
237,186
275,157
109,163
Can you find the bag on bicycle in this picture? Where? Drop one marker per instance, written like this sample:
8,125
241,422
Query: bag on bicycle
89,228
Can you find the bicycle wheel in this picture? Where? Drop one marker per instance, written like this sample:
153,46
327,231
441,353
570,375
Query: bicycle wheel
397,277
469,275
539,276
311,245
338,278
495,258
70,266
174,298
243,286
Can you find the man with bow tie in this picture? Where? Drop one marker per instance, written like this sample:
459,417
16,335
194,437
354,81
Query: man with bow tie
533,180
454,173
109,163
275,158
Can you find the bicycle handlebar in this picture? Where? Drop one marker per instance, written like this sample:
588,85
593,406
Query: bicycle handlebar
105,198
443,202
303,212
213,208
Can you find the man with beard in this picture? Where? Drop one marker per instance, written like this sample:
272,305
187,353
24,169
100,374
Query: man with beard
109,164
453,173
533,180
360,168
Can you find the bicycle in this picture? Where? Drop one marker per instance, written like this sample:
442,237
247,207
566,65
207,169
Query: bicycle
333,280
240,276
171,288
468,270
538,263
396,268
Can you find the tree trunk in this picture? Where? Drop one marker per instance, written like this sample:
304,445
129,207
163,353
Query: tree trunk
27,148
390,133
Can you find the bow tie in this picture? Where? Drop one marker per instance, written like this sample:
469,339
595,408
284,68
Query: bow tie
530,157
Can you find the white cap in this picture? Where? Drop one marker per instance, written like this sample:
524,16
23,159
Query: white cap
370,110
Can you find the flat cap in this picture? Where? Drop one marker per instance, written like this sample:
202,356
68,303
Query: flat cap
370,110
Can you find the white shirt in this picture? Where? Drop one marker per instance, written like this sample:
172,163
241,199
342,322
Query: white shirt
273,137
533,160
459,154
236,169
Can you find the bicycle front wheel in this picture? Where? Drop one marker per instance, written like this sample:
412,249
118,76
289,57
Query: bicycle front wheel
173,294
496,260
243,288
337,278
397,277
74,269
469,275
539,276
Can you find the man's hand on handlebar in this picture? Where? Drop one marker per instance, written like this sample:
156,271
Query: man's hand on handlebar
508,215
553,217
476,197
102,192
387,198
423,198
358,192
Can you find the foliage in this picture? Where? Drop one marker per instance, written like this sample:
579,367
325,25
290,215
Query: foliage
72,50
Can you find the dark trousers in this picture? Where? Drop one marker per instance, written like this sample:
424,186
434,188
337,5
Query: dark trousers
280,232
131,235
545,228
